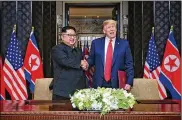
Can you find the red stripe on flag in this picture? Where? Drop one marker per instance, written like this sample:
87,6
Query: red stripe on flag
18,86
147,72
2,85
10,88
9,83
161,92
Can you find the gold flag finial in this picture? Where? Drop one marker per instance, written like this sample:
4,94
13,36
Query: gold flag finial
152,30
14,27
171,29
33,28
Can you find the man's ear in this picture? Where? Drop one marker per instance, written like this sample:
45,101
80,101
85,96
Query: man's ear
62,37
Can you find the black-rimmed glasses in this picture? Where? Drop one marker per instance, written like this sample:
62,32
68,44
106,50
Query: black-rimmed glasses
70,35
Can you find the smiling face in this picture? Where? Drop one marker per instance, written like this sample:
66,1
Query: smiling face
109,29
69,37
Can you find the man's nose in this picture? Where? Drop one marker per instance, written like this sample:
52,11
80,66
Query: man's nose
112,28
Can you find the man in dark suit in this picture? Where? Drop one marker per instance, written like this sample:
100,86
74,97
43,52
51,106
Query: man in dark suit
67,63
109,55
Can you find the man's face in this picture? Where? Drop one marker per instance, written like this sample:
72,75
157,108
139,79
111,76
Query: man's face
110,30
69,37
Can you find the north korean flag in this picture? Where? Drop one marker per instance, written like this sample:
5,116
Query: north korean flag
32,62
170,71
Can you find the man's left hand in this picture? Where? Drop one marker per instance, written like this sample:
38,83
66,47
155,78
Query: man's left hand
127,87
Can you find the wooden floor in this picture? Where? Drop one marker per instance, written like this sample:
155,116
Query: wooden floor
62,110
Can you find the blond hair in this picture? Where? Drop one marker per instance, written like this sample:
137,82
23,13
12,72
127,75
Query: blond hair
109,22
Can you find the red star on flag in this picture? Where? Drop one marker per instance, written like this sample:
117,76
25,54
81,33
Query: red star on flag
171,63
33,62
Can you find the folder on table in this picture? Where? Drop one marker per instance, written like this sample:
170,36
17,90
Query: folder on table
122,79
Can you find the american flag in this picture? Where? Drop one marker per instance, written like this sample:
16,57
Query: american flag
13,71
89,72
2,86
152,67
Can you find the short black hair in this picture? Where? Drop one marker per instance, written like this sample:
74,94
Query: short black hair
64,29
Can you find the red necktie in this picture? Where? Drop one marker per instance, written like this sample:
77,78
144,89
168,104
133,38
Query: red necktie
108,63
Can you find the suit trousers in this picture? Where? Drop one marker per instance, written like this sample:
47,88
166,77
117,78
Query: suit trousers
106,84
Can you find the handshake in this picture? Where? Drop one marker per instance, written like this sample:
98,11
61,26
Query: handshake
84,64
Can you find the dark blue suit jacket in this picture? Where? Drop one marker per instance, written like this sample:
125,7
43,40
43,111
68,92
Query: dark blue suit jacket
122,60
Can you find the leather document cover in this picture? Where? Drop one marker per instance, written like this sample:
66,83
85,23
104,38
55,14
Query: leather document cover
122,79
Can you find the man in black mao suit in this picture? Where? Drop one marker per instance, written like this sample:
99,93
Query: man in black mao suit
67,63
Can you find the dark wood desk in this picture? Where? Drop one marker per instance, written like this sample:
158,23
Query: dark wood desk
62,110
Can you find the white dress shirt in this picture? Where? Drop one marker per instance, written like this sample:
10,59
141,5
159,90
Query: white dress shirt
107,40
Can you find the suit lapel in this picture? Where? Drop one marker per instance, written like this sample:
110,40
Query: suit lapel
103,49
116,49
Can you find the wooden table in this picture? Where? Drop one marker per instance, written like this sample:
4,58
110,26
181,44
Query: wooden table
62,110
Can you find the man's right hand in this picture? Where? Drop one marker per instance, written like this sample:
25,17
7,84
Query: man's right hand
84,64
